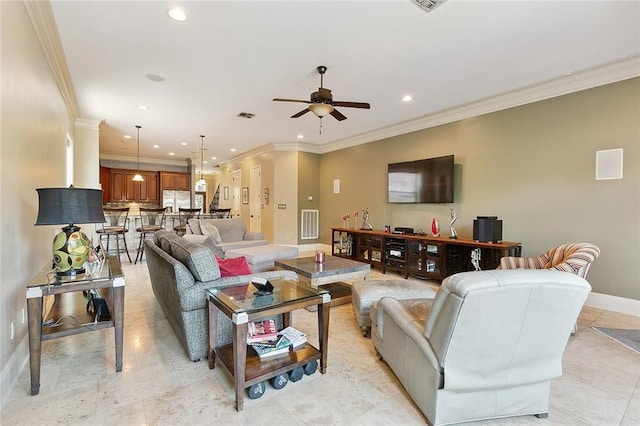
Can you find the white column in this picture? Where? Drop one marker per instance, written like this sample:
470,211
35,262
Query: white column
86,152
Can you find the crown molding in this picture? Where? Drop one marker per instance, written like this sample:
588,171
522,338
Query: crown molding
611,72
46,30
145,160
88,123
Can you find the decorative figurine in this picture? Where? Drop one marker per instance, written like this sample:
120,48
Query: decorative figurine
475,258
454,217
435,227
365,220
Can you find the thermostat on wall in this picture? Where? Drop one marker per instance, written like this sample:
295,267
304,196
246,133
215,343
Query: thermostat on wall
282,206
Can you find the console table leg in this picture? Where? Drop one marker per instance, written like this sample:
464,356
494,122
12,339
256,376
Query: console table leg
34,313
213,334
118,321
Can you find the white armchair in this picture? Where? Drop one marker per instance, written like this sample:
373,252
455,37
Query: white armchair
491,343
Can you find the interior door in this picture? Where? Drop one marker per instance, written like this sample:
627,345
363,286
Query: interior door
255,199
236,197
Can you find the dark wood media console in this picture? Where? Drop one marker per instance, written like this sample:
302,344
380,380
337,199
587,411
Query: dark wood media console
419,255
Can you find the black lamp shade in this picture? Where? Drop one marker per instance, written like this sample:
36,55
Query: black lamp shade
58,206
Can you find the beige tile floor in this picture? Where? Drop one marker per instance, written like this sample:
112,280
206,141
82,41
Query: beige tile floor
160,386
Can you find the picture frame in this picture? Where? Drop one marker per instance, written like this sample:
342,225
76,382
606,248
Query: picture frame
245,195
226,192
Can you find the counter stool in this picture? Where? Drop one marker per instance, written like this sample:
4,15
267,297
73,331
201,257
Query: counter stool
117,225
183,217
151,220
365,293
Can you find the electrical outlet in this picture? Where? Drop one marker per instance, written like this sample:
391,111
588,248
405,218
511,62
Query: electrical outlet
13,326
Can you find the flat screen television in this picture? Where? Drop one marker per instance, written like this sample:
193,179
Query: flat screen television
421,181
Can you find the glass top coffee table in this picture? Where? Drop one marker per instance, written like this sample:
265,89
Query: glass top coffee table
241,305
328,275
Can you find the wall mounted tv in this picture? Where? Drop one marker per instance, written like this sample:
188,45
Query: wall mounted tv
421,181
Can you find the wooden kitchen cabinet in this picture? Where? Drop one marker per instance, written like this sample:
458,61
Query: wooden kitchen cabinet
175,181
122,188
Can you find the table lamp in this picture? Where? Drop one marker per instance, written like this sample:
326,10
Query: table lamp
58,206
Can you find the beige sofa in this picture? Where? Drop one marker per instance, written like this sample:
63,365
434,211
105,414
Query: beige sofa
221,235
487,346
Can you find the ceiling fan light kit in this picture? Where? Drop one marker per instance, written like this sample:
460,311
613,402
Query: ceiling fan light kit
321,103
320,110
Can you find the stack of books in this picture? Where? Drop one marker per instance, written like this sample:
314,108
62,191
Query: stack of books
268,343
262,331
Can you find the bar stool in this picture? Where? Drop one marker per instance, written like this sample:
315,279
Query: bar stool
117,225
151,220
183,217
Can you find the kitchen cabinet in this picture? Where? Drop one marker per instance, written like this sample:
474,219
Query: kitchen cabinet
105,183
122,188
175,181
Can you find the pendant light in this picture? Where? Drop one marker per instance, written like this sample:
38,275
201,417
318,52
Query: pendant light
138,177
201,184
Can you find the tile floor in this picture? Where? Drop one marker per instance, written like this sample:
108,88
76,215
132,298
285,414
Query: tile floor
160,386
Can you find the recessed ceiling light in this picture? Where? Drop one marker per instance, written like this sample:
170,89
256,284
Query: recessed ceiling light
177,14
213,158
232,150
143,107
407,98
300,136
127,136
183,143
172,153
205,162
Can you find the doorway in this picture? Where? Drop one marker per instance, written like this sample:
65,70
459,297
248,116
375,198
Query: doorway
255,199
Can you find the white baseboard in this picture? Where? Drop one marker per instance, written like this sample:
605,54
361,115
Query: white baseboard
614,303
11,371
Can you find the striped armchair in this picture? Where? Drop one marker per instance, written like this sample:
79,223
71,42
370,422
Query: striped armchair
574,258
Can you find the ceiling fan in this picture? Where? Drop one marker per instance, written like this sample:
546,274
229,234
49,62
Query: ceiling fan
322,103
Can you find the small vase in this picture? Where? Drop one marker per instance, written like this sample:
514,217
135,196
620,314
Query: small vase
435,227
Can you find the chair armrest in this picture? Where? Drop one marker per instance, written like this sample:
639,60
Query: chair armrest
250,235
512,262
391,309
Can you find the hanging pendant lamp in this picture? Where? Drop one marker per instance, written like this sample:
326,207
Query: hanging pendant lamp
201,184
138,177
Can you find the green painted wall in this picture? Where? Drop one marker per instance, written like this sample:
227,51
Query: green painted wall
533,166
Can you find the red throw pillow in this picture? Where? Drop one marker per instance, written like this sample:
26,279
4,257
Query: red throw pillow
233,266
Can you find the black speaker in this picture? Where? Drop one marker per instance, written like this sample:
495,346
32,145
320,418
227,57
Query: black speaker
487,229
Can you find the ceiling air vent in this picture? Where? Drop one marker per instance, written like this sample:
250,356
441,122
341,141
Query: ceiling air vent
428,5
246,115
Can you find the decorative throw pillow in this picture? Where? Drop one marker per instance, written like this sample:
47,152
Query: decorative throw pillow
209,228
233,266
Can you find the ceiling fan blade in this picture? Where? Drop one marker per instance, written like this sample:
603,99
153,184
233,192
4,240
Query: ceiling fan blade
351,104
301,113
338,115
291,100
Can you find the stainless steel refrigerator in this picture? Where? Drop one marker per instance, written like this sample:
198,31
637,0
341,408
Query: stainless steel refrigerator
175,200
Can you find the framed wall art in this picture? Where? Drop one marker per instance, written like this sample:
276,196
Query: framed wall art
245,195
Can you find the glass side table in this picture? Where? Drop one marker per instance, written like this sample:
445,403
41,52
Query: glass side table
68,302
241,306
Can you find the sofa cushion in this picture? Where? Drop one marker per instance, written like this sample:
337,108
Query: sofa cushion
230,229
194,226
211,230
198,259
234,266
164,239
224,246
